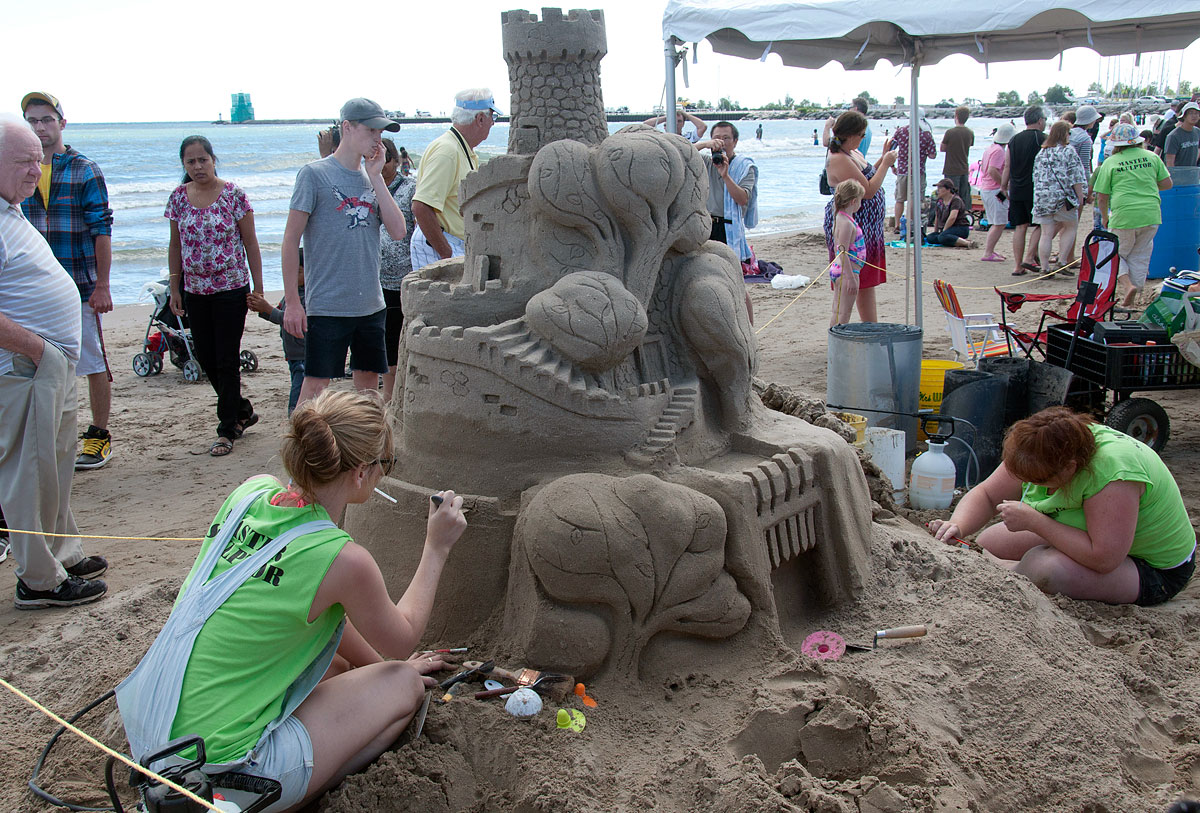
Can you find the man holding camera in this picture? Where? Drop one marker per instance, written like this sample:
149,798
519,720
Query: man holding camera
732,189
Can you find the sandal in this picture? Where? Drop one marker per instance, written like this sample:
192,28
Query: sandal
1037,269
240,427
221,447
993,258
1020,272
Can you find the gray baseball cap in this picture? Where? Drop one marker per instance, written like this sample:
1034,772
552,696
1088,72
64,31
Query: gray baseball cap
1086,115
367,112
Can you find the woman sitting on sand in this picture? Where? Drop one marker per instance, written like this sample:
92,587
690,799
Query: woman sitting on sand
262,684
845,163
212,242
1086,511
949,218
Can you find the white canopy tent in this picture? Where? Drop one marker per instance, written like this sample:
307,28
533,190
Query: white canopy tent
813,33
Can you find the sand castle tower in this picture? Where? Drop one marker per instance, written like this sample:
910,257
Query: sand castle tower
584,376
554,75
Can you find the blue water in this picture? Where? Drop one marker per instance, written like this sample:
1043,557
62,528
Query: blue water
141,165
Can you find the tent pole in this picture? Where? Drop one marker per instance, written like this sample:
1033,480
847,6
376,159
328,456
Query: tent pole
916,193
669,107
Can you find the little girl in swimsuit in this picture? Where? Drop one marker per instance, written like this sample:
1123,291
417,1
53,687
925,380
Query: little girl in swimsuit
850,250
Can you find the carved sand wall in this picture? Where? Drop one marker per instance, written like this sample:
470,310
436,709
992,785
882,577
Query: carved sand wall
583,374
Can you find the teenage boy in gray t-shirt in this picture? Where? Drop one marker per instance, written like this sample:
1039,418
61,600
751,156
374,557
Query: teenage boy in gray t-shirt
338,208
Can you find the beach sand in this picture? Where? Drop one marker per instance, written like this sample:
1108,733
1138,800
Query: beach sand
1014,701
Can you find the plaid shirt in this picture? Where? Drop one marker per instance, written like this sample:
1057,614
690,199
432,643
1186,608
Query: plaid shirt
78,213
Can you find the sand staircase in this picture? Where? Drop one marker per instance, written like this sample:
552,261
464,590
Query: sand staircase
524,358
678,415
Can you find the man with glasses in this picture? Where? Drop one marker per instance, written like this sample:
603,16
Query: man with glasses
440,234
70,208
338,205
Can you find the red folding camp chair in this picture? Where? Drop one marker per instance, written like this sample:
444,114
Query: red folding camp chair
1093,299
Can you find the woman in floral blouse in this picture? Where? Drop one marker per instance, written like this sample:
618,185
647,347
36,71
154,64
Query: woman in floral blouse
1058,192
212,243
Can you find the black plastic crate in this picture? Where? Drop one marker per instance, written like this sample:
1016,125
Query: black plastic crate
1123,368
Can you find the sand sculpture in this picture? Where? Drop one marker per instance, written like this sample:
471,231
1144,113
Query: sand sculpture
584,376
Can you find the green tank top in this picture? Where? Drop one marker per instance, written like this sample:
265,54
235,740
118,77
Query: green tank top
1164,537
252,649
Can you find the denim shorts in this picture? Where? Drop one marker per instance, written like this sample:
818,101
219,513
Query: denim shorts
1157,586
329,337
286,757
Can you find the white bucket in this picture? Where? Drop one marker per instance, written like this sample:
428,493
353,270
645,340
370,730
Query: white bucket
886,448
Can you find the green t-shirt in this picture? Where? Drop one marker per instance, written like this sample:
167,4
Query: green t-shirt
1164,537
1130,179
259,641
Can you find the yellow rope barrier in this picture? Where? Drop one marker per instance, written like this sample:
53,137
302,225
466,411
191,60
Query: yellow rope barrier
114,754
923,282
795,300
121,538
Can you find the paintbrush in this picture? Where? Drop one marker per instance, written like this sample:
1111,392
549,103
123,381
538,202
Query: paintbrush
551,683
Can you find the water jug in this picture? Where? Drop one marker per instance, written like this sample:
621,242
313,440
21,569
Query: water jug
931,483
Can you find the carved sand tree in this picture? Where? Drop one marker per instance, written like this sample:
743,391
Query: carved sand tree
642,555
651,185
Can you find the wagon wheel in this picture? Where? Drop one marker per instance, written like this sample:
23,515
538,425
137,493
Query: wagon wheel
192,371
1141,419
143,364
248,360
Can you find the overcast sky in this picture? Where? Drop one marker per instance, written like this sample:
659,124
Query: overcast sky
148,60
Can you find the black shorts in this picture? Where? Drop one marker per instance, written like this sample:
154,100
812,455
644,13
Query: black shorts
1020,212
1157,586
394,324
329,337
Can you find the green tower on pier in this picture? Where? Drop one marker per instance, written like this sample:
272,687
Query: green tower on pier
241,109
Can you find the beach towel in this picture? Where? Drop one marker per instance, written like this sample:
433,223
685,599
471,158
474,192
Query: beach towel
735,229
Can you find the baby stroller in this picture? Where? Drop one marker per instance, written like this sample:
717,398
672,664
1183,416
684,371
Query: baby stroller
168,334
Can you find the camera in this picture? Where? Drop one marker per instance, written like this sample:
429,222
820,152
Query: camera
718,157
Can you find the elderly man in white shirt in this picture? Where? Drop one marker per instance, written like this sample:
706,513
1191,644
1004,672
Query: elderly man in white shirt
40,328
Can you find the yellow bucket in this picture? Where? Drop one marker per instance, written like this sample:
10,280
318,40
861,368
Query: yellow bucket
933,378
857,422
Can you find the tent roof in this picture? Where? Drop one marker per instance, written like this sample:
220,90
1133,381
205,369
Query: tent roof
812,33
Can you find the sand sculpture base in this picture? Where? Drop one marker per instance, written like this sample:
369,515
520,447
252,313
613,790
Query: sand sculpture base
583,374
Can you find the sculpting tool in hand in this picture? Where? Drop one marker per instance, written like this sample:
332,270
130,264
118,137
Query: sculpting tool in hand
458,650
964,543
437,500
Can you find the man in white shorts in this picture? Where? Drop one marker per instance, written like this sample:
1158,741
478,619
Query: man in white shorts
440,233
70,209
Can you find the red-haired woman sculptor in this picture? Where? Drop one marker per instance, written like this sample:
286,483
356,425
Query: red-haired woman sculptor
1085,510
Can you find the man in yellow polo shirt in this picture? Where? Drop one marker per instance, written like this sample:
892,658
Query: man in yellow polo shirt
439,234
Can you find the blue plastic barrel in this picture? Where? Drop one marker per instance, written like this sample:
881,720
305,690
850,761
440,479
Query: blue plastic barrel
1178,237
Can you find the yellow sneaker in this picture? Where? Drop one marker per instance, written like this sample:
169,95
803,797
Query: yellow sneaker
97,448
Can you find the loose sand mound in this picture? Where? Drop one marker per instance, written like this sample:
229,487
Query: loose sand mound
1014,701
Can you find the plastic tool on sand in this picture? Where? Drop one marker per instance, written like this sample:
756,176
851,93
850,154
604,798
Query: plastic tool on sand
523,703
546,684
584,698
570,720
470,669
829,646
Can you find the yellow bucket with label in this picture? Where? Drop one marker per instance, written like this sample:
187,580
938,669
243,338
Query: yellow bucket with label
857,422
933,379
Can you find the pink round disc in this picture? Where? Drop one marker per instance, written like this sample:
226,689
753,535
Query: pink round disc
824,645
